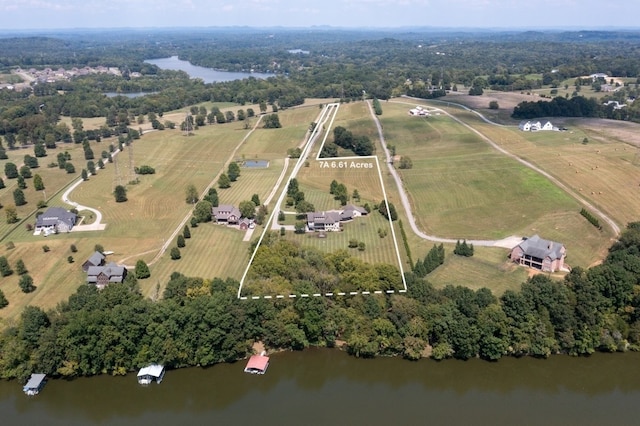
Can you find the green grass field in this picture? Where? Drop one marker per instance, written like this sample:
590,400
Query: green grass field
460,187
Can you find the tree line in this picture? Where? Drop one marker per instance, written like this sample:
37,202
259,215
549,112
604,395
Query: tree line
201,322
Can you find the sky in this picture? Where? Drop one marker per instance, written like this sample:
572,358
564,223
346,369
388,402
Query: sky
524,14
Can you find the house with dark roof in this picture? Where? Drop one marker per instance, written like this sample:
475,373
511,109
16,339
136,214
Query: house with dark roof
102,276
538,253
226,213
323,221
96,259
350,212
55,220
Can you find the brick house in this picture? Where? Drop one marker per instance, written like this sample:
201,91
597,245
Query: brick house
538,253
102,276
226,213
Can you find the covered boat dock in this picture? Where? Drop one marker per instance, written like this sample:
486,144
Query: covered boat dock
35,384
257,364
152,372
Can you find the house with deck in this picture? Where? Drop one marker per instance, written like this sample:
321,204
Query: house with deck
226,213
538,253
55,220
323,221
102,276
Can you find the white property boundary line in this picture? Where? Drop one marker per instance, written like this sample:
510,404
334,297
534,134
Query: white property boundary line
301,160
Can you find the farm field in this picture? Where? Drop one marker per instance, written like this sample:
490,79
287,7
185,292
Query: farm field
138,228
603,171
460,187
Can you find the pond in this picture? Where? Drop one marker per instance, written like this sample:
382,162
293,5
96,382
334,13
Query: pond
255,164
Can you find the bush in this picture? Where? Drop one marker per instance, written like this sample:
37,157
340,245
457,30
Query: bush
145,170
46,248
70,259
73,248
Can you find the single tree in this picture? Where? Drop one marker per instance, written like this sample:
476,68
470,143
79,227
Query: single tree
3,300
84,175
73,248
202,212
191,194
99,248
69,168
70,259
25,172
12,214
26,284
255,199
120,194
247,209
180,242
21,182
2,185
186,232
175,253
142,270
224,181
212,197
233,171
11,171
38,184
18,197
5,269
20,267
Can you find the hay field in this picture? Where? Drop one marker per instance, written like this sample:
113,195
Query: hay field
605,171
462,188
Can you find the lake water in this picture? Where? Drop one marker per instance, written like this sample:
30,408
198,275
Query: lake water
321,386
208,75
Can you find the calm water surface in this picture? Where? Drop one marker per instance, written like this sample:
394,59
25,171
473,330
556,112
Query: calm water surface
322,386
208,75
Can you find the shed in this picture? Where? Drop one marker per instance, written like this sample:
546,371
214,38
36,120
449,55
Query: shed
35,384
152,372
257,364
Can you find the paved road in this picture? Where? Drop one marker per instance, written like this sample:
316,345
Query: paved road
95,226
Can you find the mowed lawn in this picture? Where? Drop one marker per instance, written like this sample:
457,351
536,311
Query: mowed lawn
460,187
488,267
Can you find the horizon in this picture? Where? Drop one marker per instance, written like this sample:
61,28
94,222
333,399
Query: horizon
546,15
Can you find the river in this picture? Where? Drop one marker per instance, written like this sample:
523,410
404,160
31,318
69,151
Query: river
208,75
322,386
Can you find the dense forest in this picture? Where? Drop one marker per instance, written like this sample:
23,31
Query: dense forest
201,322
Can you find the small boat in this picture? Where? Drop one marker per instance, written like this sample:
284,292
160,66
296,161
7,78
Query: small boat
152,372
257,364
35,384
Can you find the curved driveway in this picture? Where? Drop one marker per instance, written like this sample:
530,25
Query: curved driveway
95,226
508,242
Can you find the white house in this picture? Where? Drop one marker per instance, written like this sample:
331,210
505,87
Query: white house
534,126
418,111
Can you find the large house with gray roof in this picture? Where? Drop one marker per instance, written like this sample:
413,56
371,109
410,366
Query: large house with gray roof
538,253
102,276
55,220
226,213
